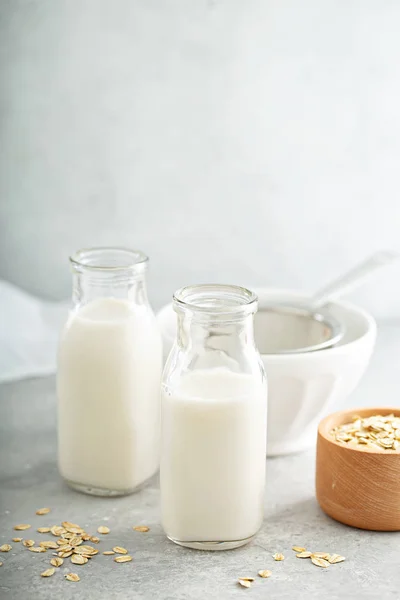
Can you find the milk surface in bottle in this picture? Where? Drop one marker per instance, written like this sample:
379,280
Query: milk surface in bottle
108,380
214,412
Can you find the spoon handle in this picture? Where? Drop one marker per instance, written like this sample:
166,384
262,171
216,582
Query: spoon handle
353,278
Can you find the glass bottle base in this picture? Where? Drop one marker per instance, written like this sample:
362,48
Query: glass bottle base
214,546
105,492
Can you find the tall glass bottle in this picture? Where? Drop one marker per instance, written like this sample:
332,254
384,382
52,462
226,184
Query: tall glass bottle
214,413
109,373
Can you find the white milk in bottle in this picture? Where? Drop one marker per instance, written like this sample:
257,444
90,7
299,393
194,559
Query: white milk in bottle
109,372
214,422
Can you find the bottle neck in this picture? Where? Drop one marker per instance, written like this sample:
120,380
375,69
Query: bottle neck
196,334
88,287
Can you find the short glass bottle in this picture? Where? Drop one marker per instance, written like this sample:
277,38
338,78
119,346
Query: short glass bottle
109,374
214,421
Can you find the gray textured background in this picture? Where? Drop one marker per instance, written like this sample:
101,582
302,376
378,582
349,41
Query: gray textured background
254,142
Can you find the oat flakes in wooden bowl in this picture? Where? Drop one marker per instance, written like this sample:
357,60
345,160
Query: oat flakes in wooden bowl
358,468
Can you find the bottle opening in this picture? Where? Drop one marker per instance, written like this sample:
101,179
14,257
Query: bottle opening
216,299
109,259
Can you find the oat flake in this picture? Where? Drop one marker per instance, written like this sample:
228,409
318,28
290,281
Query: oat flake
141,528
72,577
120,550
65,554
43,511
75,541
335,558
324,555
265,573
78,559
319,562
122,559
48,573
57,530
85,550
103,529
51,545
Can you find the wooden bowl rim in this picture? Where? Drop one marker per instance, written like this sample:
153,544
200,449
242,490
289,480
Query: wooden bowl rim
343,416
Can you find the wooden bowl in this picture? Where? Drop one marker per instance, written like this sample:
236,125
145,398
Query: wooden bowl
360,485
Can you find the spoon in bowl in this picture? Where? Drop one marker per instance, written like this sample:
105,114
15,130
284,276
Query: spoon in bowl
352,278
307,326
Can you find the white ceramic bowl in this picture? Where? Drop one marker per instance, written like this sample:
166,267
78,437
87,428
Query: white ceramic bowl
303,386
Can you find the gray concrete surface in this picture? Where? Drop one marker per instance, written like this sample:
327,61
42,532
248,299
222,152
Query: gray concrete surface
161,570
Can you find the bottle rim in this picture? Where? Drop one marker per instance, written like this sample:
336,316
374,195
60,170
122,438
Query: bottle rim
109,259
218,300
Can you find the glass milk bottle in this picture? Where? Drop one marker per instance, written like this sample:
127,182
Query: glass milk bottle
109,374
214,421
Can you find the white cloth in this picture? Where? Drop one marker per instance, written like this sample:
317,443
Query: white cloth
29,330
